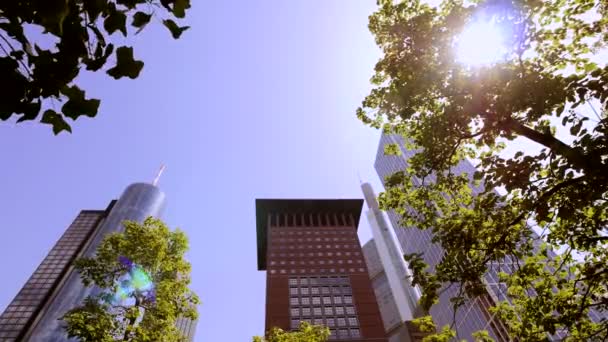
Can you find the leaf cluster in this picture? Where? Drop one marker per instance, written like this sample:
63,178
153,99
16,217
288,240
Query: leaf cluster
305,333
158,251
449,113
80,33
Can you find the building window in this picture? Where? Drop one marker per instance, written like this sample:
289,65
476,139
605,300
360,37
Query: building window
328,311
295,312
337,300
352,321
348,299
330,322
341,321
339,310
293,301
316,300
326,300
317,311
350,310
355,333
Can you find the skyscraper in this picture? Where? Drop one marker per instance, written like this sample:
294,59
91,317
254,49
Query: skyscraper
315,268
474,315
55,287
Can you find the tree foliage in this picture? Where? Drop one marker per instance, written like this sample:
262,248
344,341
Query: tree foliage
306,333
158,251
554,198
80,35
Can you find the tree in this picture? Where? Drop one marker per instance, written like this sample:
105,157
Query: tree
306,333
447,112
80,33
142,279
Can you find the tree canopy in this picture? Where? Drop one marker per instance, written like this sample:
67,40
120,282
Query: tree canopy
551,195
306,333
44,44
143,281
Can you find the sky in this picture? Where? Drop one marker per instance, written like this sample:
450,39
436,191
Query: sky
256,100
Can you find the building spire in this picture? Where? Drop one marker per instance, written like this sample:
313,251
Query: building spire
160,172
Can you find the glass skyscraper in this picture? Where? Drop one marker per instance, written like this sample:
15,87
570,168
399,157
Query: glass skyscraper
474,315
55,287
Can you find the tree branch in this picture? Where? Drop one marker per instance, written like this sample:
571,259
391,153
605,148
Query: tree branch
576,158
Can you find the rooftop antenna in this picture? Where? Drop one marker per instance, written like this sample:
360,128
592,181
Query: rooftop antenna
160,172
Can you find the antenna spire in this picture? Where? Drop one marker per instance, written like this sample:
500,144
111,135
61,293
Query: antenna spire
160,172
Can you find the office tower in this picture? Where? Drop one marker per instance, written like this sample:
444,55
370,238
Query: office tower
397,329
474,315
55,287
315,267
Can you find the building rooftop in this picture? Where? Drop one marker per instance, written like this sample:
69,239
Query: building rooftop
296,206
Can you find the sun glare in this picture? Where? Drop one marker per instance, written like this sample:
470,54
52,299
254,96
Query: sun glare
481,43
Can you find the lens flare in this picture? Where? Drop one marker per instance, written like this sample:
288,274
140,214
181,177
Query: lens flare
134,283
482,42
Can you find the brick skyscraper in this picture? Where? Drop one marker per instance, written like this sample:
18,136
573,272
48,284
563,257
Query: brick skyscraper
315,267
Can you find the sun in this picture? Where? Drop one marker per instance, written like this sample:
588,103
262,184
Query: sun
481,43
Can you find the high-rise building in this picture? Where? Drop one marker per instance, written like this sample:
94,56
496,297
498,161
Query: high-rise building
397,330
315,267
55,287
474,315
390,276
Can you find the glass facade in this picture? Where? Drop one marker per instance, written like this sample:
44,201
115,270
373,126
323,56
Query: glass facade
27,303
472,316
137,202
324,301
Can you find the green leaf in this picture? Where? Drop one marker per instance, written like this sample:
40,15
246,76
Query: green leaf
52,118
77,105
94,8
116,21
30,111
141,19
179,8
176,31
125,64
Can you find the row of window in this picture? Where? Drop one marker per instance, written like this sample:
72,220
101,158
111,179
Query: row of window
325,231
312,254
316,270
315,262
335,280
329,322
321,311
294,240
306,291
299,246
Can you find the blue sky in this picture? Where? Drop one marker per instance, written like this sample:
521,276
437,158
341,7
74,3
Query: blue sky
256,100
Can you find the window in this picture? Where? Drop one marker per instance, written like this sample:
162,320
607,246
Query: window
316,311
318,321
352,321
293,291
326,300
325,290
337,300
305,311
305,301
350,310
330,322
339,310
316,300
348,299
328,311
341,321
295,312
294,301
343,333
355,333
295,323
314,290
304,291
